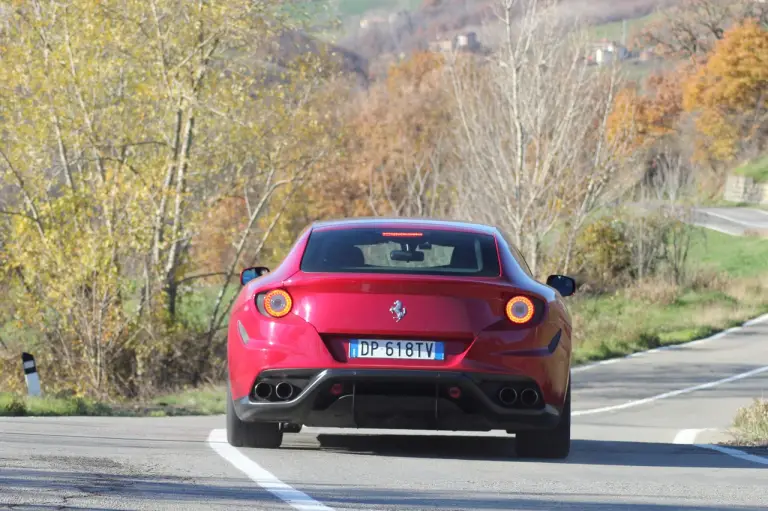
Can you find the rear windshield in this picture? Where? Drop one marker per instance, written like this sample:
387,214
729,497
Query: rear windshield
422,252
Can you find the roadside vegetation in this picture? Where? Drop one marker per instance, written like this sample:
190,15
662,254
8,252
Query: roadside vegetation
750,426
135,188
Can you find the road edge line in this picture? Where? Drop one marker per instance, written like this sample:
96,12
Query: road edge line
754,321
688,437
673,393
217,440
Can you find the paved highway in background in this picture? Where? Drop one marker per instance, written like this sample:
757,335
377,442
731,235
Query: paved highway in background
736,221
635,422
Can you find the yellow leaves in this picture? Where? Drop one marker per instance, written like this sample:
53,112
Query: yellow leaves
736,73
94,123
646,115
728,87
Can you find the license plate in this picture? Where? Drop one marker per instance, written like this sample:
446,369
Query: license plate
408,350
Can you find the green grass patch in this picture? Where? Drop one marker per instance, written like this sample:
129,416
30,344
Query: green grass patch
614,31
738,256
616,326
657,313
203,401
757,169
14,405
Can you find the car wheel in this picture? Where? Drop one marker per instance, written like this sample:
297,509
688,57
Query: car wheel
554,443
251,434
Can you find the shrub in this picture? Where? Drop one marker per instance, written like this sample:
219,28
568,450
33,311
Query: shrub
751,423
603,251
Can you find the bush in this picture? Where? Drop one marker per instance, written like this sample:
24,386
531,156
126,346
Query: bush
603,252
751,424
613,252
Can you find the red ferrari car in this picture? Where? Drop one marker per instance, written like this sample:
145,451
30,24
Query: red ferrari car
401,324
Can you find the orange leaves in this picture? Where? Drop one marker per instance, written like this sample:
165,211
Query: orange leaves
410,74
727,90
649,112
736,73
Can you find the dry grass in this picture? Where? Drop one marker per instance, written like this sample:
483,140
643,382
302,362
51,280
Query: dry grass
653,290
750,426
656,312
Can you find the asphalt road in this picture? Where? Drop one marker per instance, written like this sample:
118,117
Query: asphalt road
629,414
736,221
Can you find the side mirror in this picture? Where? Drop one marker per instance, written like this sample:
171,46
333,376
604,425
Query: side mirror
566,286
254,272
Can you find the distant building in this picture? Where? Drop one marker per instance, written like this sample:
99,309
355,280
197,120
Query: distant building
467,41
606,51
463,42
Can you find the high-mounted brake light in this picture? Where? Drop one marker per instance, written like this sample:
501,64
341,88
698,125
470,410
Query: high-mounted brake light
402,234
278,303
520,310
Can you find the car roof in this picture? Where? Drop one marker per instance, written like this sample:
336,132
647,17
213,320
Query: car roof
401,222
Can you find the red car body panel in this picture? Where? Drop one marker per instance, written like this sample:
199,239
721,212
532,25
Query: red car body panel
467,313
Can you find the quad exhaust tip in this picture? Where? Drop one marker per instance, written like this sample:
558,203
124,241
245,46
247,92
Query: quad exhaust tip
529,397
283,390
507,396
263,390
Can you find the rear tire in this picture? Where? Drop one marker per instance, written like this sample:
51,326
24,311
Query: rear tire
264,435
552,444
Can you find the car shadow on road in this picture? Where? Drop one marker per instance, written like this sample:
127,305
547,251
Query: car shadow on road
583,452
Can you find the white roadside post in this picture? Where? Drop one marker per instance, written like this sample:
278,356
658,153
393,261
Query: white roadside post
30,374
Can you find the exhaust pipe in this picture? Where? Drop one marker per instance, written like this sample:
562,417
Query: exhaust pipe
529,397
263,390
507,396
284,390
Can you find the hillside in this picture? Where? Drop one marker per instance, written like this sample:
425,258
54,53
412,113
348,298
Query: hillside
390,28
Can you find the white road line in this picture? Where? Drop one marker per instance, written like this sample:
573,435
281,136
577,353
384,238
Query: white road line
217,440
735,453
688,436
736,220
658,397
719,335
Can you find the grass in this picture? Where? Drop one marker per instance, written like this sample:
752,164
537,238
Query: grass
750,426
614,31
757,169
729,285
203,401
736,256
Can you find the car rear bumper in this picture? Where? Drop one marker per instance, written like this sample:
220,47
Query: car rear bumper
397,399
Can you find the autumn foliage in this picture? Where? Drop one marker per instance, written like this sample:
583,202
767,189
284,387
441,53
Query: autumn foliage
728,91
135,187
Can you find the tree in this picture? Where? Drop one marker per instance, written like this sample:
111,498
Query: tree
653,109
119,150
690,29
532,128
728,92
398,145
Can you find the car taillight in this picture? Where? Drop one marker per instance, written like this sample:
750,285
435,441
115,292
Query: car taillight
277,303
520,310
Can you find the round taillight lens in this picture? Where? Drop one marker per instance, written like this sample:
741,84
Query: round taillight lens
277,303
520,310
